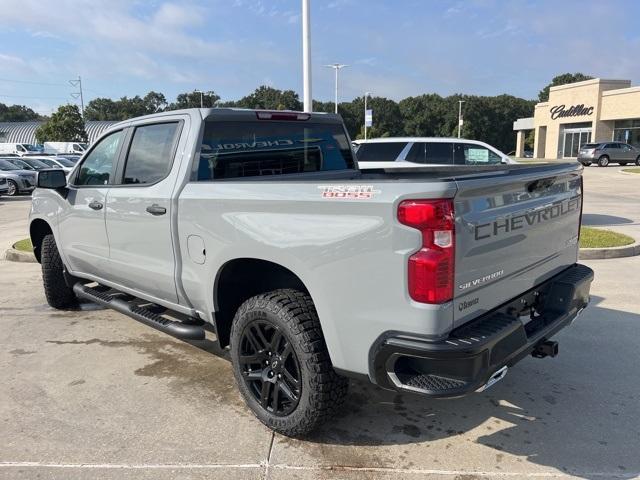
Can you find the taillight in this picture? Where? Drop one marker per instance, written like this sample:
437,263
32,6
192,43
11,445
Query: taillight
581,205
431,269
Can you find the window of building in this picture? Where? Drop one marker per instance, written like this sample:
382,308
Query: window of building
627,131
151,153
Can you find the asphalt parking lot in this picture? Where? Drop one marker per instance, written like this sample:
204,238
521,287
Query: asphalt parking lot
93,394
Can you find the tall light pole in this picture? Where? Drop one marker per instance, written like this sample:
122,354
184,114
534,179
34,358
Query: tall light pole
366,95
306,56
460,102
201,99
336,67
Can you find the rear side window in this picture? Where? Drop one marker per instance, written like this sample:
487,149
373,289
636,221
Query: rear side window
380,152
472,154
259,148
151,153
439,153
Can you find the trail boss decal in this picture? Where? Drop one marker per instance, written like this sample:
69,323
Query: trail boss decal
348,192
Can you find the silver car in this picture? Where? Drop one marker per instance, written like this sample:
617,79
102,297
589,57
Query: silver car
608,152
18,180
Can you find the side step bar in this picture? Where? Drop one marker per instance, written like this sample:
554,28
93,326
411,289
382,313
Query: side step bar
141,314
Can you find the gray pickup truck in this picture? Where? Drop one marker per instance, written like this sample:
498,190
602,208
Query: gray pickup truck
259,227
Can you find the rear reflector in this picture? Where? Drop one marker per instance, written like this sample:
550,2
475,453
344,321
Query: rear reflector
295,116
431,269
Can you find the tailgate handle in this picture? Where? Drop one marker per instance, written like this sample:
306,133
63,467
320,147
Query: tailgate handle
540,185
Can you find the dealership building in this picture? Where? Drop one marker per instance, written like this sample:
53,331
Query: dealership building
596,110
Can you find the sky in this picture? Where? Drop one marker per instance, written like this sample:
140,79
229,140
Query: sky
394,48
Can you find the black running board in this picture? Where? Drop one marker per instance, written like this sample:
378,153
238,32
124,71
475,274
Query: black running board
141,314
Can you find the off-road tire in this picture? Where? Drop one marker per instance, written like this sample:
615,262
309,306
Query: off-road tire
59,295
322,390
603,161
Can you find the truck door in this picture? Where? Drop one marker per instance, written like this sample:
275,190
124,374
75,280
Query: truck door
139,208
82,225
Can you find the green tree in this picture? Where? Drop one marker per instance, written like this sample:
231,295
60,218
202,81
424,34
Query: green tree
65,125
125,108
192,100
17,113
563,79
269,98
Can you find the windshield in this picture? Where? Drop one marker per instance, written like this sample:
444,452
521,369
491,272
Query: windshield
64,162
589,145
6,166
37,164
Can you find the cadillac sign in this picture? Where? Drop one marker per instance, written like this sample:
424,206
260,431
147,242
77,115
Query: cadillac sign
559,111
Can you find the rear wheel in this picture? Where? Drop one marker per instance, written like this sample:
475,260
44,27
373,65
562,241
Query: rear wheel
281,363
59,295
603,161
13,188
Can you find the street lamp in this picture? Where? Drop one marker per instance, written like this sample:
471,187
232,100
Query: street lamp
460,102
201,99
336,67
306,56
366,95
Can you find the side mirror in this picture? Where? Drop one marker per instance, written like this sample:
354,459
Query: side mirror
52,178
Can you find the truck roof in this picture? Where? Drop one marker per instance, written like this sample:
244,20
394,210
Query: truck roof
227,113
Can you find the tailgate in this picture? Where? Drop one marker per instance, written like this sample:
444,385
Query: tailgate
512,233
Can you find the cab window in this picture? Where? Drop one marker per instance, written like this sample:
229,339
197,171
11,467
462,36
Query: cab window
97,168
151,153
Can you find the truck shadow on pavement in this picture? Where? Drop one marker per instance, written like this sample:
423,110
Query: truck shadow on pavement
577,413
595,219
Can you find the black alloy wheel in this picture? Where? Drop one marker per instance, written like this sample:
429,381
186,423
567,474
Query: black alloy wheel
270,367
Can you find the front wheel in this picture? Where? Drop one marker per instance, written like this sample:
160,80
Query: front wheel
59,295
281,363
13,188
603,161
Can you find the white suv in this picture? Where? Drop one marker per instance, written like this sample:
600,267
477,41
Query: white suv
411,152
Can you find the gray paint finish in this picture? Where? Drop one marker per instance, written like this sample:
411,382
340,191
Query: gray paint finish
351,254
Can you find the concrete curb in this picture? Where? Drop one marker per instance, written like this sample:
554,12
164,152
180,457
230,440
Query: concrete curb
612,252
14,255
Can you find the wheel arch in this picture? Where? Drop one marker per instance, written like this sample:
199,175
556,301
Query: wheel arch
38,229
242,278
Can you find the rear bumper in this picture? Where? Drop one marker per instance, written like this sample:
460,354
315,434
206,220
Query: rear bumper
471,355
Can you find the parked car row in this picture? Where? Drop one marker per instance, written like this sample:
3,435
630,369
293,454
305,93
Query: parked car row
20,149
18,174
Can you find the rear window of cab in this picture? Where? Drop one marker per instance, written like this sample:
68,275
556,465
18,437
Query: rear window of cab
260,148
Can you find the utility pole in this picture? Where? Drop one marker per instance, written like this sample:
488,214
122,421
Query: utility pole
460,102
336,67
201,99
366,94
78,94
306,56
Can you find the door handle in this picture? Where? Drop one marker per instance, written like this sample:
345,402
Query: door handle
156,209
95,205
